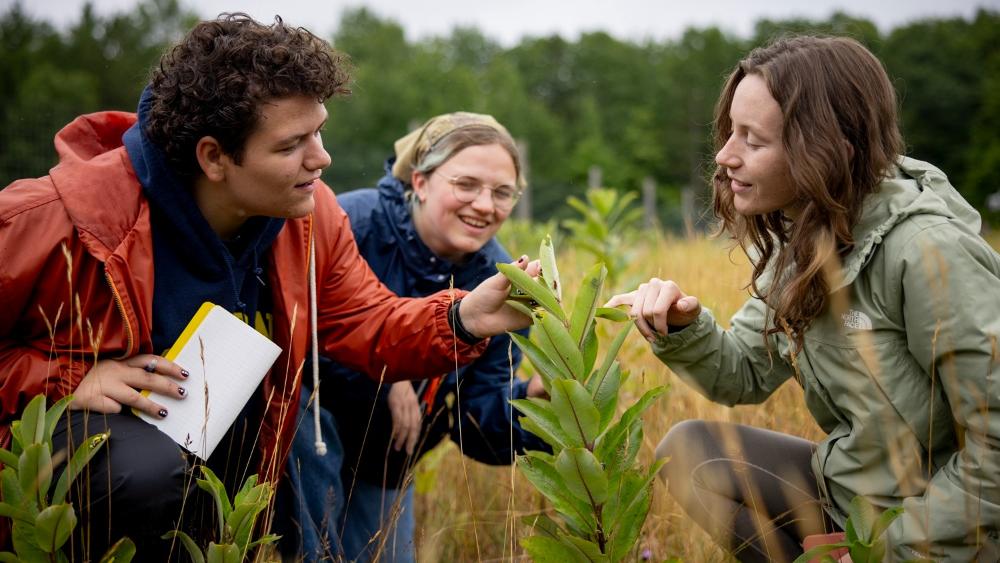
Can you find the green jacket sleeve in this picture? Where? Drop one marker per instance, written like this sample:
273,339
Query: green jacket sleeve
732,366
950,284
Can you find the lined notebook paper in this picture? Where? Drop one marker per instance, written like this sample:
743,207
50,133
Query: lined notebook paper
227,360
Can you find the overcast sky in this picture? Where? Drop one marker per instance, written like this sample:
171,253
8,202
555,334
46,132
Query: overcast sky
510,20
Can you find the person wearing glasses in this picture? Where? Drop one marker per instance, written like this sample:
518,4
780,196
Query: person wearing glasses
429,225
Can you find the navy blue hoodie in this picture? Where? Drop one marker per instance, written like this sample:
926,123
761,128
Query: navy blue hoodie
192,264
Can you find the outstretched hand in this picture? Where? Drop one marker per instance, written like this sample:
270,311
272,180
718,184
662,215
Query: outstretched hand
484,311
657,305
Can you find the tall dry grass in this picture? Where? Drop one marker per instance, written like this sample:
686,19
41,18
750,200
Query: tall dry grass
466,511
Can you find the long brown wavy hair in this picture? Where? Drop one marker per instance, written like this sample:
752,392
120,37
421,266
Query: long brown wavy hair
841,136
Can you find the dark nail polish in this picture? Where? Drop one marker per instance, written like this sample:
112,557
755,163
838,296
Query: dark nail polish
181,391
162,413
185,373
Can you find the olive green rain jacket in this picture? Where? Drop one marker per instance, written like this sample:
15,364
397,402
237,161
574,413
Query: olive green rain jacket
903,375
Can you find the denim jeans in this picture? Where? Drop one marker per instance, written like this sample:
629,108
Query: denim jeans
370,509
315,501
313,491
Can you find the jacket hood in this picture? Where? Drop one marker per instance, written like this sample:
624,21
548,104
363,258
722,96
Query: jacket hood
90,147
915,188
423,264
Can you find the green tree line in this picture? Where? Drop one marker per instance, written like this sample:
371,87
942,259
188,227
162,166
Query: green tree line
635,109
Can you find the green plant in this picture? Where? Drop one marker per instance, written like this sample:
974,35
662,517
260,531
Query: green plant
605,220
42,523
599,492
863,535
236,520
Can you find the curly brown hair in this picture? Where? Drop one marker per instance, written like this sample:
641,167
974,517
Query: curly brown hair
214,82
841,136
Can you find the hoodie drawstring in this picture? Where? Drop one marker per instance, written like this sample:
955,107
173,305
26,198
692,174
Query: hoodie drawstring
320,444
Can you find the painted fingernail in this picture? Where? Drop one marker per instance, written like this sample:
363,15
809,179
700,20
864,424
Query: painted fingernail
185,373
162,413
181,391
522,259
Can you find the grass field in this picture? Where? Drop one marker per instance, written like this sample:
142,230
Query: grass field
467,511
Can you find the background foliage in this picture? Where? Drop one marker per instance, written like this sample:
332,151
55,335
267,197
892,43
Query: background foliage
634,109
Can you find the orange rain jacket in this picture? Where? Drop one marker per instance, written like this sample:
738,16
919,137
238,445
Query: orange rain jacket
76,283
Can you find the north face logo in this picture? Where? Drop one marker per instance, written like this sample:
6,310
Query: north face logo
856,320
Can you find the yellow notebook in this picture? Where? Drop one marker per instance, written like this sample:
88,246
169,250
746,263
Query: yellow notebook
227,360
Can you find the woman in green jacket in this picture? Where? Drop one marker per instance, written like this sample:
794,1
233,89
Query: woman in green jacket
872,288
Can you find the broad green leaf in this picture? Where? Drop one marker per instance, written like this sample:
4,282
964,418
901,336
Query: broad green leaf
33,421
192,548
223,553
590,345
583,475
884,520
606,394
590,550
545,424
555,340
862,515
53,527
618,452
550,272
10,487
8,557
628,507
585,304
26,544
609,358
861,552
34,471
8,458
248,488
121,552
576,411
537,291
54,414
80,458
547,370
213,486
543,475
8,510
611,314
544,549
16,443
611,439
241,522
519,307
623,490
542,524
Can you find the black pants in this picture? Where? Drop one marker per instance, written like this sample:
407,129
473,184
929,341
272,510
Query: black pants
750,489
141,485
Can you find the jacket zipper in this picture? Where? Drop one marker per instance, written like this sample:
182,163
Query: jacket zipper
121,309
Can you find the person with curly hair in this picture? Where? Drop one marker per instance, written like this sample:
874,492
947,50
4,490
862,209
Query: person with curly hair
211,192
872,288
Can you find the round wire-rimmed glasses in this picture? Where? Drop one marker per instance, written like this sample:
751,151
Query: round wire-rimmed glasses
467,188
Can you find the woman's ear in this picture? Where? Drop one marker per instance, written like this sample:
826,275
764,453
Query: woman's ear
419,182
211,158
